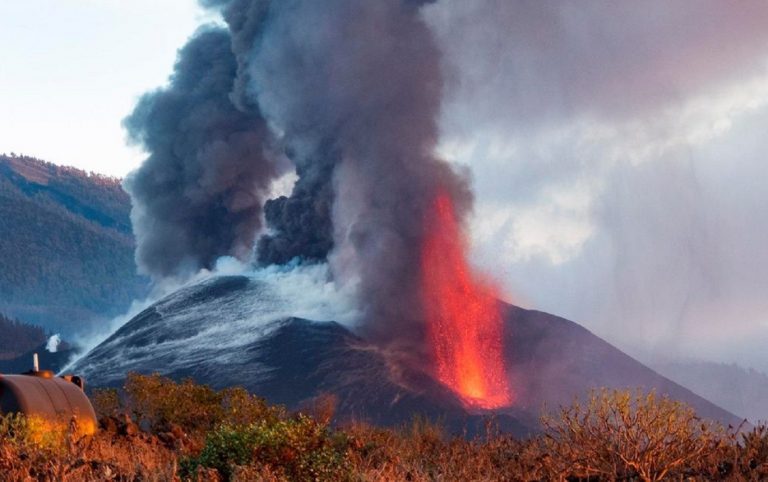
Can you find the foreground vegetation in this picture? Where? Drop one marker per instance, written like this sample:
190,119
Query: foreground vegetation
158,430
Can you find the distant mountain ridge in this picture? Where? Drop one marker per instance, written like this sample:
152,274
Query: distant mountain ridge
742,391
94,197
66,246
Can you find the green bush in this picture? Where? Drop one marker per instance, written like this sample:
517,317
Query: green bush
299,448
35,432
14,429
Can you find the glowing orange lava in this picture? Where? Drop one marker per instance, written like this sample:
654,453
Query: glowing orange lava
464,324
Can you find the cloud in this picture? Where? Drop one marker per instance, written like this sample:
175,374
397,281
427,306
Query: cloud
535,61
616,153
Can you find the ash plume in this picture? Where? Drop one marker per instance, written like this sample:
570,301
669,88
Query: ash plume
301,223
351,92
354,90
199,194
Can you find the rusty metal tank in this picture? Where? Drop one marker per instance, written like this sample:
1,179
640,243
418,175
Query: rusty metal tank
56,400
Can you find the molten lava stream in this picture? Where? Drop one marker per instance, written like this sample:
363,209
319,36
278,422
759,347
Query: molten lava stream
464,323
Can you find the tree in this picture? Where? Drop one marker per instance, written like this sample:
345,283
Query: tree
625,435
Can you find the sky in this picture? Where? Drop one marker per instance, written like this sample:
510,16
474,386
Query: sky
617,148
71,70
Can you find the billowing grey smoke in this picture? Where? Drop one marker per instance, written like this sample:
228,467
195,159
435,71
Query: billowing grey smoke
199,194
355,89
352,90
301,223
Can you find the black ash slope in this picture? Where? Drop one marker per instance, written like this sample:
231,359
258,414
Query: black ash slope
240,331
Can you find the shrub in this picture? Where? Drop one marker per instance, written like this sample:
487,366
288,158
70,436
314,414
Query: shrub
14,430
37,433
35,448
424,451
621,435
614,435
156,402
751,453
106,402
298,448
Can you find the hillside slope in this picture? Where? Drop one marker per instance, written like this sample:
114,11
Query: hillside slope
239,330
65,244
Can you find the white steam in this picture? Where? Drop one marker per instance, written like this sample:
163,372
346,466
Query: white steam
52,345
284,291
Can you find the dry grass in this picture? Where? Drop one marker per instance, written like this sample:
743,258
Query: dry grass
104,456
158,430
422,452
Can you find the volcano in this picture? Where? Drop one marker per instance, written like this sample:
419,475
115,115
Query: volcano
241,330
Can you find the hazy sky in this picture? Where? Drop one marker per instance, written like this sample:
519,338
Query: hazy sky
619,156
618,148
70,70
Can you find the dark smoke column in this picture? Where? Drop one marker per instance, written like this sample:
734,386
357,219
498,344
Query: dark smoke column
361,80
300,224
199,194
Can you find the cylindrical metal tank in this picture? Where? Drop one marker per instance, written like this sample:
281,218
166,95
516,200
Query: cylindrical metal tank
55,400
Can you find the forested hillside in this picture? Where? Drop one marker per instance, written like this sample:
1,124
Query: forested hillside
17,337
66,247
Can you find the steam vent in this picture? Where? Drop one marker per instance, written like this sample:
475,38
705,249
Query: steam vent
56,401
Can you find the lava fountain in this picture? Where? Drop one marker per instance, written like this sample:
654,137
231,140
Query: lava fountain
464,322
